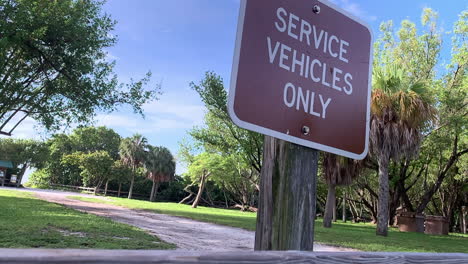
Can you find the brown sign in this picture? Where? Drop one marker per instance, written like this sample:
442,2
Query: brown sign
302,73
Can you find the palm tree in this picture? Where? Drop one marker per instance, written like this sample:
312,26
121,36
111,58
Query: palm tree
337,170
160,166
132,153
400,111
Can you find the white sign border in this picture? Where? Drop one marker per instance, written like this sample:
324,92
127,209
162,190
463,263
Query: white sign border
276,134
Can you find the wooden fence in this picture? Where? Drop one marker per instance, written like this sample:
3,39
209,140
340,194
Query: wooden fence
91,190
244,257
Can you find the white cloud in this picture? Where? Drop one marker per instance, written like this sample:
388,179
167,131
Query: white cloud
116,120
173,111
355,9
178,110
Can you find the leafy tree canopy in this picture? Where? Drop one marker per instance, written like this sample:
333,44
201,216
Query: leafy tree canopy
22,152
53,64
220,134
96,167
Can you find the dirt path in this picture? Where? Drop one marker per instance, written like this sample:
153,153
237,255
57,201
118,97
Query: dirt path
185,233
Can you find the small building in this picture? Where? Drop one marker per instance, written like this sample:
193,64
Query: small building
4,166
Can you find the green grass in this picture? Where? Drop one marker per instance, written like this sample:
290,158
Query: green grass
27,222
234,218
358,236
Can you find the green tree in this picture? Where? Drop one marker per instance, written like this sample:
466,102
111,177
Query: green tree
133,154
204,165
23,153
221,134
400,111
83,139
96,167
120,174
447,143
160,166
237,179
59,172
337,171
90,139
416,55
54,67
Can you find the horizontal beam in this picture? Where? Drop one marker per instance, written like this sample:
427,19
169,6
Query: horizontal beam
5,133
163,256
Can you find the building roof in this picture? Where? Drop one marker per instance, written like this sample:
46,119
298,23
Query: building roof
6,164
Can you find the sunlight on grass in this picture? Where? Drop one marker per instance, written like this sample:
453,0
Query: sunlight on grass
359,236
32,223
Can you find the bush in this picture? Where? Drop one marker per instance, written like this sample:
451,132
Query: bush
39,179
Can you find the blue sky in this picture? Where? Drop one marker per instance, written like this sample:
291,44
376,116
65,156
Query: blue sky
179,40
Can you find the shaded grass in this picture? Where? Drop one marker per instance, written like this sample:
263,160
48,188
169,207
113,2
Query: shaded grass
359,236
27,222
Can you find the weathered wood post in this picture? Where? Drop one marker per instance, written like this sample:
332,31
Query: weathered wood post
286,214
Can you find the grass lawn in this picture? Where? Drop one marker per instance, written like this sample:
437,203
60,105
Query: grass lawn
358,236
27,222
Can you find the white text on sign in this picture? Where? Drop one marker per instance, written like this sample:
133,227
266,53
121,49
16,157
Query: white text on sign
289,59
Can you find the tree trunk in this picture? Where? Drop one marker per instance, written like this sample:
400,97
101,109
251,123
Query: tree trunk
105,188
354,211
441,175
186,198
154,191
463,220
200,190
21,174
286,212
343,207
120,188
382,211
225,199
130,192
334,209
96,189
329,206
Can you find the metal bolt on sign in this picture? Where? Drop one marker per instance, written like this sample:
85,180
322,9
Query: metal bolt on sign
316,9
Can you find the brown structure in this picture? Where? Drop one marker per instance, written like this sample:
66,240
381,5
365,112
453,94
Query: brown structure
4,166
410,222
436,225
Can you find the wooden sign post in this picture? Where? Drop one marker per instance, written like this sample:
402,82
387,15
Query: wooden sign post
286,210
301,76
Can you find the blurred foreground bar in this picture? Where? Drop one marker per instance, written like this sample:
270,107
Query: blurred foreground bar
153,256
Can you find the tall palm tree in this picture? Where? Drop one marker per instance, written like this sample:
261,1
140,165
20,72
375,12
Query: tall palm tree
132,153
401,109
337,170
160,166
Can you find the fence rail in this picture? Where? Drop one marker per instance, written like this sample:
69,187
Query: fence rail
91,190
134,256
